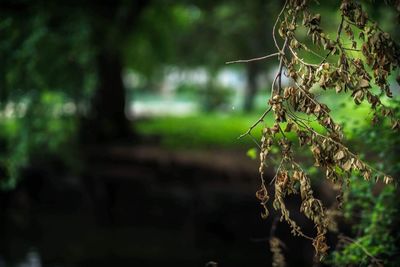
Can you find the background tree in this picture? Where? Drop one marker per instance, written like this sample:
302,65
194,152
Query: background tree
105,27
70,51
245,36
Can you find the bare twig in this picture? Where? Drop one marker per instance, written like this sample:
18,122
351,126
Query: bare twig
254,140
302,61
280,68
305,47
279,74
253,59
256,123
326,57
277,171
276,23
339,31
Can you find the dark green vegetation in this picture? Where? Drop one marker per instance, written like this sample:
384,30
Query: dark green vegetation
372,210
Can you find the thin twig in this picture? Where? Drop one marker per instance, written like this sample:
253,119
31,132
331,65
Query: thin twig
253,59
292,112
282,51
326,57
279,74
277,171
370,20
339,31
355,242
302,61
283,133
305,47
256,123
254,140
276,23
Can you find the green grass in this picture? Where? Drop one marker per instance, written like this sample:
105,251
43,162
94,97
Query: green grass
208,130
203,130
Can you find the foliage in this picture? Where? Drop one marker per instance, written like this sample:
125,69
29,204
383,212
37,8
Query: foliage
374,218
338,70
57,47
66,46
376,243
48,77
39,122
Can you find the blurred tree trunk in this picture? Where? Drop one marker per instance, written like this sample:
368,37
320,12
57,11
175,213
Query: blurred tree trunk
108,106
251,88
107,119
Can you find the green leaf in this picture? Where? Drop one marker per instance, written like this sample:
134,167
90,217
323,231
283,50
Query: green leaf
252,153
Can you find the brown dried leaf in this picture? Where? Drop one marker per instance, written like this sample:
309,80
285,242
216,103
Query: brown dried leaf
339,155
387,179
347,165
363,83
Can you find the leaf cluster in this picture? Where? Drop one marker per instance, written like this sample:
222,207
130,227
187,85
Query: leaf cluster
374,57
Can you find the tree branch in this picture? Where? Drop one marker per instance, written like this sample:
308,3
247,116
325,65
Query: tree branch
256,123
252,59
276,23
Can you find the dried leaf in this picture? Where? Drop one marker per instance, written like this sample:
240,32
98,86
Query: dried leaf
339,155
363,83
387,179
347,165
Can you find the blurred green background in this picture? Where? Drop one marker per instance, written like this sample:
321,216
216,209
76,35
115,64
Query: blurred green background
109,108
